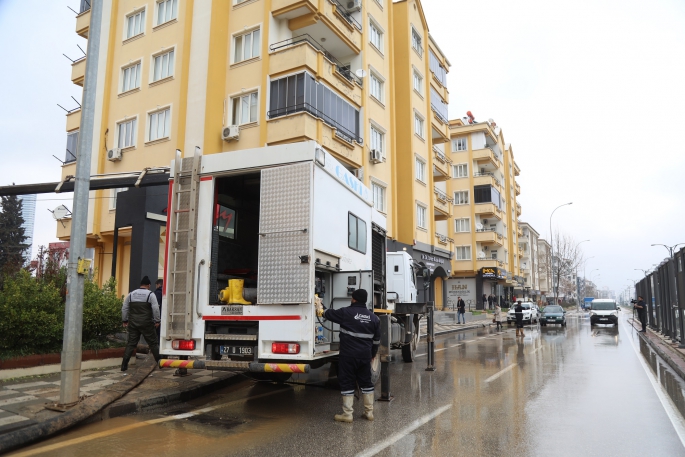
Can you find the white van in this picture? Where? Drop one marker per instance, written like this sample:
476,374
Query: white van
604,311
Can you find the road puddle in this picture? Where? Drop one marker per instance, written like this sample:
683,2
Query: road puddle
669,379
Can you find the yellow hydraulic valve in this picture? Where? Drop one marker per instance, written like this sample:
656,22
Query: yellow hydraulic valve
233,294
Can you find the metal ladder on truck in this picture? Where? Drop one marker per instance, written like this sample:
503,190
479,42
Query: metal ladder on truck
182,245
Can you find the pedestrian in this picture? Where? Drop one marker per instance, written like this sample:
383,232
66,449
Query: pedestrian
514,299
490,301
140,314
498,316
641,313
519,318
360,338
485,300
158,295
461,311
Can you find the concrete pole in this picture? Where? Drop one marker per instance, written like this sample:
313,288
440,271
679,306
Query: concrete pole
73,316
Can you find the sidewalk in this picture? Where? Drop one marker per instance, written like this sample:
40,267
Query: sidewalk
666,349
446,322
23,400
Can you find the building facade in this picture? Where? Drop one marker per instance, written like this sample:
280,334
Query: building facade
363,78
528,244
544,268
28,212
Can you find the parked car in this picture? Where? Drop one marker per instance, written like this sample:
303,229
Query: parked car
531,313
553,314
604,311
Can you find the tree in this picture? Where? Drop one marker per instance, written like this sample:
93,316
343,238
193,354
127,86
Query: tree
566,259
12,237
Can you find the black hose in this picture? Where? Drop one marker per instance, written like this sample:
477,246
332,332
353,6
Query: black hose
82,411
329,329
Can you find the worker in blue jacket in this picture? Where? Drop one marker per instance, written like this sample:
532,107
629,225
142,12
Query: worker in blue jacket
360,338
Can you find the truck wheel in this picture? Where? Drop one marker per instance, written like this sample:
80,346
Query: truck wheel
375,369
409,350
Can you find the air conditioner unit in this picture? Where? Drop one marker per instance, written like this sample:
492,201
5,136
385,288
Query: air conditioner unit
354,5
358,173
114,155
376,156
231,132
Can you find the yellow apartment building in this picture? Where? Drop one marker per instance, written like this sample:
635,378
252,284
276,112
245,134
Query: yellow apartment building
486,227
363,78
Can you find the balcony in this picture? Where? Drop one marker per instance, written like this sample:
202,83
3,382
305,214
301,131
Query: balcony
73,119
517,187
518,209
489,263
488,210
520,251
441,205
489,236
303,51
441,166
517,170
83,19
486,179
486,156
323,18
78,71
443,239
519,231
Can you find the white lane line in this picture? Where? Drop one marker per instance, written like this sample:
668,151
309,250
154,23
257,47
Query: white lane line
402,433
671,411
500,373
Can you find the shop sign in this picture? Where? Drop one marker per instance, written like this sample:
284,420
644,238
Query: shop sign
464,288
493,273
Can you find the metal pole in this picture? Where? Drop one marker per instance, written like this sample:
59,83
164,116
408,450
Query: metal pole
384,354
430,338
73,316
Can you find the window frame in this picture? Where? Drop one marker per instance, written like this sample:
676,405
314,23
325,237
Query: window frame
142,10
419,121
461,220
148,130
421,212
122,77
359,220
457,200
420,165
113,197
381,85
134,133
466,249
456,142
171,64
247,94
174,11
374,25
418,41
463,166
383,189
242,34
417,76
381,133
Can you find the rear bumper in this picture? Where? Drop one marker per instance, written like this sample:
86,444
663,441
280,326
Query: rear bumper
545,320
227,365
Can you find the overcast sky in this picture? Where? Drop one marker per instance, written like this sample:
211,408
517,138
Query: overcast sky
589,93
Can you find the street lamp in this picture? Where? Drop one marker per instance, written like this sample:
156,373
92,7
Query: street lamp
551,242
670,248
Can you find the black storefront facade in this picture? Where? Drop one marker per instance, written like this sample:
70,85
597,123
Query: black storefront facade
437,261
490,281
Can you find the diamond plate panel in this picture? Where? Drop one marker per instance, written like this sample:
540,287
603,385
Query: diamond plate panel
285,211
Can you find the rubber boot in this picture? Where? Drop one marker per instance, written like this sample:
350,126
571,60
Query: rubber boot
348,403
124,363
368,406
236,286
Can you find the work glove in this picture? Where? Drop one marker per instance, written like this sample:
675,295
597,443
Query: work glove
320,311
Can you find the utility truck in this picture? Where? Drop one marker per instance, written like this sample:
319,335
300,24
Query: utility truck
256,239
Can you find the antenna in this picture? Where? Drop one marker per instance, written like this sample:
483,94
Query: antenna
479,226
360,73
84,52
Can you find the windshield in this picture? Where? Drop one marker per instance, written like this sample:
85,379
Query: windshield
553,309
603,306
523,305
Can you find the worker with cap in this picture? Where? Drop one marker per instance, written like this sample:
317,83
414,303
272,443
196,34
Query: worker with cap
360,338
140,314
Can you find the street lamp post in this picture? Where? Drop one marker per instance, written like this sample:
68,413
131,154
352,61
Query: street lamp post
670,248
551,242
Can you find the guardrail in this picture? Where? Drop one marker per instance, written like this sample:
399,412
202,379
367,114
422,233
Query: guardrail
306,107
348,17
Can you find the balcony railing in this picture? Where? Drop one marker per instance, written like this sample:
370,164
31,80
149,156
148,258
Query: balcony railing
307,108
85,6
306,38
444,239
441,195
343,12
487,173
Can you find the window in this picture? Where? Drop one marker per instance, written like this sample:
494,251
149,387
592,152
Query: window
463,253
130,77
493,255
416,42
378,197
113,197
437,68
375,36
418,83
421,216
486,194
244,109
418,125
461,197
356,233
126,134
72,146
462,225
420,170
166,11
439,106
160,124
246,46
163,66
376,87
460,170
301,92
135,24
377,141
459,144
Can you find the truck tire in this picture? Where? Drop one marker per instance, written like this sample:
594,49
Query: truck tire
409,350
375,369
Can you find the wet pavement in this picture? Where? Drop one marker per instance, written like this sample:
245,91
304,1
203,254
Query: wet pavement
557,392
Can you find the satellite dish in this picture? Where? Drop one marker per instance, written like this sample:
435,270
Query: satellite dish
60,212
360,73
479,226
481,255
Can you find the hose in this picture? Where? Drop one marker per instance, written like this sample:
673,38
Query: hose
82,411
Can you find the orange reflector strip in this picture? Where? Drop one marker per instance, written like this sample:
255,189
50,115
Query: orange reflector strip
284,368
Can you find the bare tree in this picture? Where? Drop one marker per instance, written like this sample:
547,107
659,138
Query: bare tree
566,259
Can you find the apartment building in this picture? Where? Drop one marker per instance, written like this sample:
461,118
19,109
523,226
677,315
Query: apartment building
545,268
528,245
485,228
229,75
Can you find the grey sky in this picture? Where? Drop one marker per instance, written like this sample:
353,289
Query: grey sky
579,89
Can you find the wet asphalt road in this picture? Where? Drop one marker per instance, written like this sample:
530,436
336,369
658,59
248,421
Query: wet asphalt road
558,392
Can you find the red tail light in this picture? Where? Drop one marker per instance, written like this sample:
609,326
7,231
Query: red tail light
285,348
183,345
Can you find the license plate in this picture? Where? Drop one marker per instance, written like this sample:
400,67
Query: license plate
232,310
236,350
604,319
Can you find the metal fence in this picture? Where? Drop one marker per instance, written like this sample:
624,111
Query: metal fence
664,293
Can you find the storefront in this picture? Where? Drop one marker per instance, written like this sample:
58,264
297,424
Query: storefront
490,282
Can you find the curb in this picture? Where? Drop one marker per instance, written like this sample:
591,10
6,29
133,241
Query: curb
458,329
666,357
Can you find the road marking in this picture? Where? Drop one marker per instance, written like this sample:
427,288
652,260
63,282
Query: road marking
404,432
126,428
469,341
671,411
500,373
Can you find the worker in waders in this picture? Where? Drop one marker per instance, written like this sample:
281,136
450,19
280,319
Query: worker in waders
140,314
360,338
